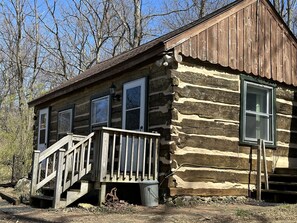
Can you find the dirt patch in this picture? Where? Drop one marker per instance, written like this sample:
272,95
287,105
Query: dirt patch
204,211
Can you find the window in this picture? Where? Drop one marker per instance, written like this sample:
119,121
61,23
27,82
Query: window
257,113
65,121
100,111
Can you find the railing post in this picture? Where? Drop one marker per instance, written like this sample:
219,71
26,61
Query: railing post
36,154
259,169
96,147
103,157
58,186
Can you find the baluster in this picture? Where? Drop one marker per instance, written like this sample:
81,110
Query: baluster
150,158
73,167
81,171
54,162
46,167
143,160
88,155
156,158
138,157
112,155
126,156
132,157
120,155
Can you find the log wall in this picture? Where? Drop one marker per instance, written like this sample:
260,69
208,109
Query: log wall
158,114
206,156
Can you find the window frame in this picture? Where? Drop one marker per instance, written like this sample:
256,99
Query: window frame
71,110
97,124
271,101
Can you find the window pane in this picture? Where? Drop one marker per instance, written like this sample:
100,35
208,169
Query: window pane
42,121
251,124
42,136
133,97
100,111
256,99
132,119
64,121
258,127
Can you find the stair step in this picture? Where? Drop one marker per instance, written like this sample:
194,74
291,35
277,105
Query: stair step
48,191
42,197
286,186
283,177
291,171
279,196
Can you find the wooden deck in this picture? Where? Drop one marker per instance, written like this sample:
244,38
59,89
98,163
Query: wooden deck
116,156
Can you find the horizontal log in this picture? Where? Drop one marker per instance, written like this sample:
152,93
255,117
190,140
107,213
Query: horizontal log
215,176
211,144
286,109
190,126
208,192
286,123
82,108
285,152
219,161
286,137
285,94
209,81
159,118
165,132
207,94
159,85
207,110
160,99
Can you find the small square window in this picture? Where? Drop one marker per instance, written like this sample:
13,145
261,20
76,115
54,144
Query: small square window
257,113
65,121
100,111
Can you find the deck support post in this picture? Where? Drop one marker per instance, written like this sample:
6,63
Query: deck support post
102,193
58,186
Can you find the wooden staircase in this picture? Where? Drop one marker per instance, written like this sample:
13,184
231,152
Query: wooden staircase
282,186
46,199
58,171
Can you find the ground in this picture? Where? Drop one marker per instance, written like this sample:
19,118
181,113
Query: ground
247,211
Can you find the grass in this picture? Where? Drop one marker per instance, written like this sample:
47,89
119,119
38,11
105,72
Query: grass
243,213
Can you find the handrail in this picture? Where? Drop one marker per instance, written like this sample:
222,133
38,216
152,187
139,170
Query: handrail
127,131
79,144
53,148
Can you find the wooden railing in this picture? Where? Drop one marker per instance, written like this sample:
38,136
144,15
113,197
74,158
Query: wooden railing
126,156
63,163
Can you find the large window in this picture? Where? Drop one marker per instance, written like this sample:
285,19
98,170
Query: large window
257,113
100,111
65,121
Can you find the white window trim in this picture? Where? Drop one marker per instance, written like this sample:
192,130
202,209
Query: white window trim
270,130
108,111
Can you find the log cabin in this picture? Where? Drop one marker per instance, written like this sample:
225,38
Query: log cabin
185,112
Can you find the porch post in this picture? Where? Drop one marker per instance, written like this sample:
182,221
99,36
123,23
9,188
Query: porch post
102,193
59,174
36,154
